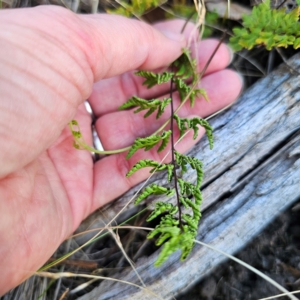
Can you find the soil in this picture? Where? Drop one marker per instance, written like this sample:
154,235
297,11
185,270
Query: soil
275,252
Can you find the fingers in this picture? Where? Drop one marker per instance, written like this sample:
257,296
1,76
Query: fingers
120,45
113,169
110,93
120,129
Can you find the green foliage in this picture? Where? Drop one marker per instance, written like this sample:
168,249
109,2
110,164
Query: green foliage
153,79
160,208
151,105
268,27
149,142
154,189
176,230
146,163
174,240
185,187
186,67
79,142
184,124
134,7
184,90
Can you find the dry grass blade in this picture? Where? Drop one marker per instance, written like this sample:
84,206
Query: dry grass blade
119,243
63,296
280,295
201,11
69,274
82,286
262,275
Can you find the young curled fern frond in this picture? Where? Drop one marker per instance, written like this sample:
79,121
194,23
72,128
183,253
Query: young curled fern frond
149,142
160,208
268,27
151,105
154,189
79,142
153,79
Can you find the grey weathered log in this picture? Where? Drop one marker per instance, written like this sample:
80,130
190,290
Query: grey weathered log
251,175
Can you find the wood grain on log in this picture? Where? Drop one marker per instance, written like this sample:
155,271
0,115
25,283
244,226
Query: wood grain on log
251,175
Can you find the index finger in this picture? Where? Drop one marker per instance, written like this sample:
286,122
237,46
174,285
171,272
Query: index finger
120,45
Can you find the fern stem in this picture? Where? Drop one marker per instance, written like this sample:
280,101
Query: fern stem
173,151
213,54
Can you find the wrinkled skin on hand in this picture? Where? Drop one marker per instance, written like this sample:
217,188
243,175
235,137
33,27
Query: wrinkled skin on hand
51,60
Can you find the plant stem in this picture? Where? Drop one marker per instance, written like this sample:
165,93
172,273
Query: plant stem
91,149
173,151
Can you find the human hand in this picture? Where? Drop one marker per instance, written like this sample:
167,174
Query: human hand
51,60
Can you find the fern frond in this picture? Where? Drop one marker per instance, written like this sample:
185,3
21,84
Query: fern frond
184,89
153,79
197,196
143,104
191,222
196,210
196,164
176,230
181,161
177,240
171,246
268,27
145,163
149,142
186,66
187,241
183,201
186,188
184,124
79,142
160,208
165,138
154,189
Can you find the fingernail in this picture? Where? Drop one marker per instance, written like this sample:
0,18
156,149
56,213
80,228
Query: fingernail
177,37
